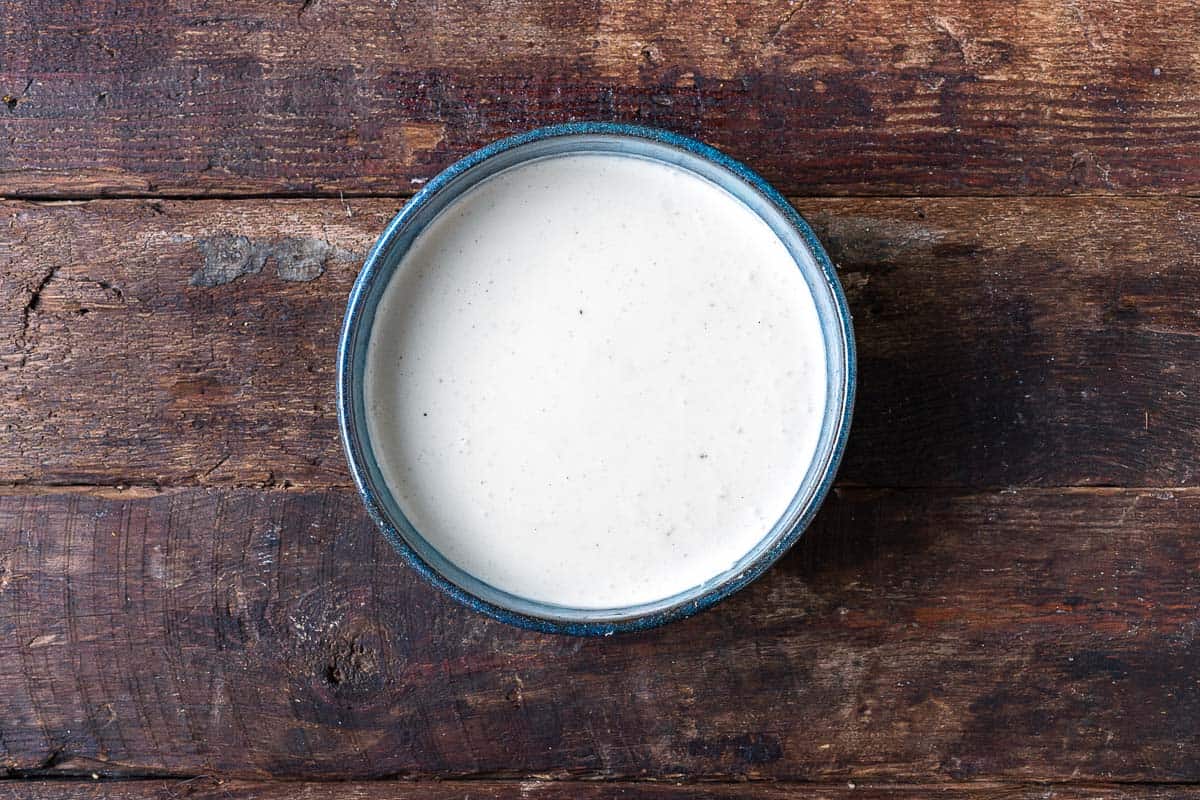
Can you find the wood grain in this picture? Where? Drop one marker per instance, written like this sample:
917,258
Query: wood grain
213,789
304,97
912,636
1001,342
188,587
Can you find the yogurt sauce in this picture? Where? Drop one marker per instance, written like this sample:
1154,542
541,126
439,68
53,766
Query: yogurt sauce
595,381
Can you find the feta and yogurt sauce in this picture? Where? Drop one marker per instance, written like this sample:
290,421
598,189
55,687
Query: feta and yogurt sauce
595,380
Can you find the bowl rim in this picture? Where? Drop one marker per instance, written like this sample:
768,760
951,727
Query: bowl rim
357,304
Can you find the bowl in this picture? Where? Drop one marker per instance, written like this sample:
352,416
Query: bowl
594,137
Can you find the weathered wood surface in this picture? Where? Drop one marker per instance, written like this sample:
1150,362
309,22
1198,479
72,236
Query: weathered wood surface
1001,342
824,96
947,636
213,789
916,636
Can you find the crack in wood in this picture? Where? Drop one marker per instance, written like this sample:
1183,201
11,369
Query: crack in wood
31,306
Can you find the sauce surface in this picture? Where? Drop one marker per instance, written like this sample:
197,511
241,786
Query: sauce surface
595,381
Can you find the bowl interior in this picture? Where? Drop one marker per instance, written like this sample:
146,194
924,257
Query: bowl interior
385,257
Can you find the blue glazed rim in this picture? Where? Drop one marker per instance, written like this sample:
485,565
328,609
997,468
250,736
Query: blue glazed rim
377,270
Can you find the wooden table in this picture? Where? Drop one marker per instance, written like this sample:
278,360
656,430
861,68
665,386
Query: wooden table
998,600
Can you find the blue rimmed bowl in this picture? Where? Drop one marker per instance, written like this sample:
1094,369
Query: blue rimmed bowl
594,137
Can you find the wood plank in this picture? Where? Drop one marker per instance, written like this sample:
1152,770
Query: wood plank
1001,342
302,97
206,788
912,636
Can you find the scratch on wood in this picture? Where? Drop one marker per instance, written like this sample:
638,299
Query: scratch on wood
786,20
944,25
53,758
516,695
43,640
1129,509
967,47
6,570
1086,170
1090,33
422,136
219,463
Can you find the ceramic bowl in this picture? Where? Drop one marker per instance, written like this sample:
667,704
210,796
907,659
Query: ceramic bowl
591,137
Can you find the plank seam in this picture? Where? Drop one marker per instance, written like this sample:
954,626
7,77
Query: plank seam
17,776
234,197
132,489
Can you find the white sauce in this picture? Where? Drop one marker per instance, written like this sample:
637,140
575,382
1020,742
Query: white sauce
595,381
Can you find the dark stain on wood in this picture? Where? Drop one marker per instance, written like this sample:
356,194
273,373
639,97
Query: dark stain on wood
749,748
